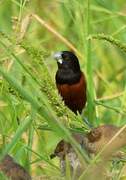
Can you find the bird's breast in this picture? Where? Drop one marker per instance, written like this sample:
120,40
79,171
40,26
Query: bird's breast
74,95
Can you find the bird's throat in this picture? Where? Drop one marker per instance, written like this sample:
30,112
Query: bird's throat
67,77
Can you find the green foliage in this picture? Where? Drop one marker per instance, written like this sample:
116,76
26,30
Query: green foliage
2,176
32,115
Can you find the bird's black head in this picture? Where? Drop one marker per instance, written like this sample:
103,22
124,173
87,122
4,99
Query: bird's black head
68,68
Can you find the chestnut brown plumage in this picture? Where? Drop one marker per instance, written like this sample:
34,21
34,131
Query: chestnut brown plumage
70,81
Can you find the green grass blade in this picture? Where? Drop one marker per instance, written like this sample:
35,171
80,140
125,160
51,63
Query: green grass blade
48,114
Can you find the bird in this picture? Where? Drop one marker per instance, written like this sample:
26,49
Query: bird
70,81
13,170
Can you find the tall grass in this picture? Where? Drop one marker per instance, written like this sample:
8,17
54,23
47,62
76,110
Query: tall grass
34,115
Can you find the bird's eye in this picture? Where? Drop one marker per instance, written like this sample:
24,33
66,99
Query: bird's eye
65,57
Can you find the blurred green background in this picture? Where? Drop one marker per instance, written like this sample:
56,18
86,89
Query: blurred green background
68,19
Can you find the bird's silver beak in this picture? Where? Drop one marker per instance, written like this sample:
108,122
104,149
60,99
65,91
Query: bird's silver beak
58,57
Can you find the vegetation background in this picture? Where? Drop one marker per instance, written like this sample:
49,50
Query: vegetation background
30,32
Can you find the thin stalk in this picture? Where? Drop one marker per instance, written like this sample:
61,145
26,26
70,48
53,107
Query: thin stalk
42,158
19,61
16,137
110,39
117,110
30,140
56,34
90,87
